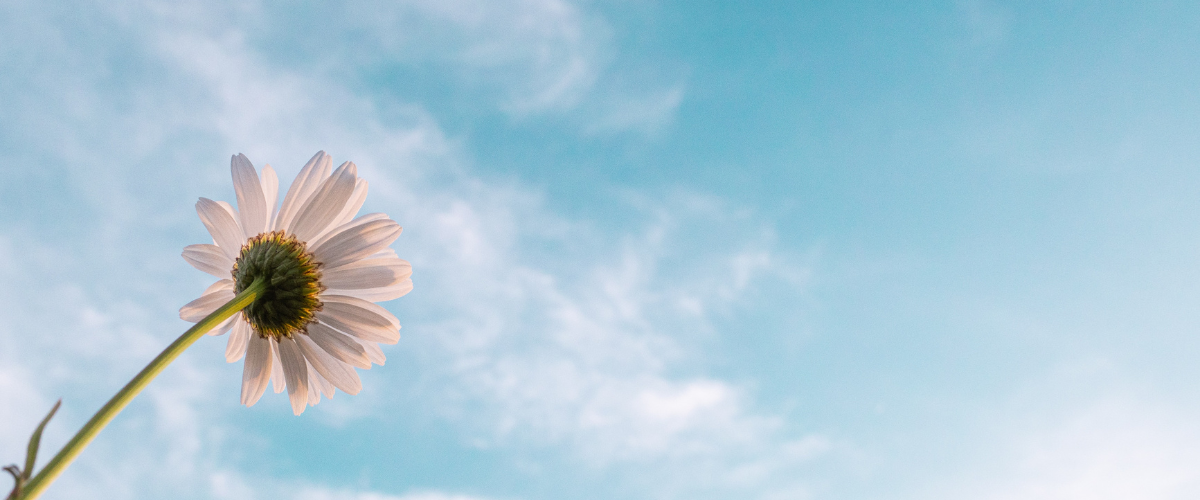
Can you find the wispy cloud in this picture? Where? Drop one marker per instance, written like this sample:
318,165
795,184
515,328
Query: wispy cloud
1119,446
326,494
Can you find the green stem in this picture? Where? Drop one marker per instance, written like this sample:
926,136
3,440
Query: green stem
50,472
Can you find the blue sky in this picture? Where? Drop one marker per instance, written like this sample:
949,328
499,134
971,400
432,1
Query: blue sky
789,250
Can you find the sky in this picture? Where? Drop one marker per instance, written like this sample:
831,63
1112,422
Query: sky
661,249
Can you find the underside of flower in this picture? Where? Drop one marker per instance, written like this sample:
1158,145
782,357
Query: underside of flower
324,268
293,278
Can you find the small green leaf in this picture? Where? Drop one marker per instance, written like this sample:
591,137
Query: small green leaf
34,440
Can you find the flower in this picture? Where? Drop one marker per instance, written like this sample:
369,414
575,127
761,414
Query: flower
317,319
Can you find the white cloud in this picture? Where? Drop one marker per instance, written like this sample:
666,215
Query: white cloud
526,58
531,57
541,55
583,360
318,493
19,411
1077,432
638,110
1115,450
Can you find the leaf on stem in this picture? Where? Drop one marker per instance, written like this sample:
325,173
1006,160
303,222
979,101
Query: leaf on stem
35,440
20,477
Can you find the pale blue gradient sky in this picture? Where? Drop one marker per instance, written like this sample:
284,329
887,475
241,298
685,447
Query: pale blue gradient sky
661,250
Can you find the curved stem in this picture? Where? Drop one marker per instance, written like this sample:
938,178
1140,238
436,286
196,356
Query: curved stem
50,472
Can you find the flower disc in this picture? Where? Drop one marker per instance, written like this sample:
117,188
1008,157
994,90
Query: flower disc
293,278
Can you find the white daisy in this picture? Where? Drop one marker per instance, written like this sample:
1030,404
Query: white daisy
318,319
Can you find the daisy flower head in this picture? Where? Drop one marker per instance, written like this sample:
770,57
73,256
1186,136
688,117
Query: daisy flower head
325,270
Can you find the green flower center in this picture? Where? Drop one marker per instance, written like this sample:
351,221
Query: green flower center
293,279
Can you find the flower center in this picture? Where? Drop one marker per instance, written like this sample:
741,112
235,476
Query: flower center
293,279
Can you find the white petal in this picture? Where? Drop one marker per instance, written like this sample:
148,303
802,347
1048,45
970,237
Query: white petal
224,327
377,294
353,205
386,252
257,371
379,327
200,308
339,345
370,306
306,182
316,242
314,392
223,228
319,211
236,347
400,268
374,353
232,213
230,210
277,381
270,187
315,382
250,201
296,373
221,284
340,374
357,242
208,258
221,329
327,388
375,259
366,276
315,379
361,332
